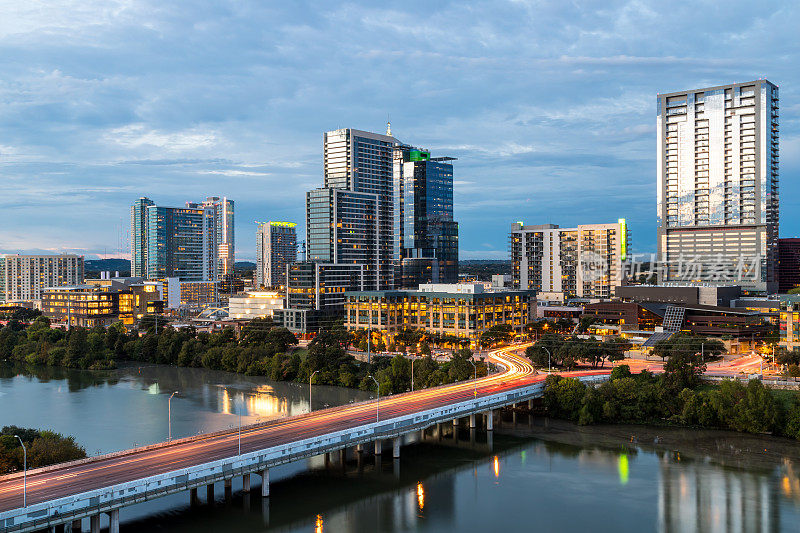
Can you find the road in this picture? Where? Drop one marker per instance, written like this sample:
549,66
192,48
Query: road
104,471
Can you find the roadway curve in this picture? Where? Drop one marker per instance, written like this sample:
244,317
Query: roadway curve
104,471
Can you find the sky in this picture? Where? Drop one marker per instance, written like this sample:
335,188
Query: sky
550,107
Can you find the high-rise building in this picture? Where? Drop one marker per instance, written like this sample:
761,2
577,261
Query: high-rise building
361,162
425,235
276,247
181,242
718,185
583,262
23,277
788,264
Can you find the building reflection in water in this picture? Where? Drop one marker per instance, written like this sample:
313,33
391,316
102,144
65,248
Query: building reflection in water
698,497
259,403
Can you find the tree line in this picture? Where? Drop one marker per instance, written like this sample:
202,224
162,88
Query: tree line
43,447
261,349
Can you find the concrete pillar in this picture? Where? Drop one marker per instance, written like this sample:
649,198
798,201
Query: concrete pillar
246,483
490,440
265,511
94,523
490,420
514,418
265,483
455,421
378,445
472,421
530,404
210,493
193,496
327,459
396,467
76,525
396,447
68,527
359,448
113,521
228,488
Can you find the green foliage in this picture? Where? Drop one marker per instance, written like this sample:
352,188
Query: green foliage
44,448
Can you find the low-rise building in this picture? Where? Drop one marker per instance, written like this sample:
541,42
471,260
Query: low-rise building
455,310
254,304
701,294
81,305
790,321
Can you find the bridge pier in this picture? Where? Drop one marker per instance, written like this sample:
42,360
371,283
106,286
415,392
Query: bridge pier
265,483
228,488
359,448
530,404
490,420
94,523
210,493
472,421
246,483
193,496
455,421
113,521
378,446
396,447
74,526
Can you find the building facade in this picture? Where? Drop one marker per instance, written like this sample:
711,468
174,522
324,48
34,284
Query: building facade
276,248
583,262
82,305
193,243
443,309
789,322
788,264
255,304
425,235
718,185
23,277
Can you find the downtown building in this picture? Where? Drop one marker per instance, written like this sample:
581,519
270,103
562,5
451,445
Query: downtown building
582,262
718,185
23,278
276,248
193,243
426,236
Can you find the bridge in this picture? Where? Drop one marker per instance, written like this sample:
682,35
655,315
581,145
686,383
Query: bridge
66,493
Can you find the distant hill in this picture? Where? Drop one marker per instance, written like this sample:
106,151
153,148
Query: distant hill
100,265
244,265
484,268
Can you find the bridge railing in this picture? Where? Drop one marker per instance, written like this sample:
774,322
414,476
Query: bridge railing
42,515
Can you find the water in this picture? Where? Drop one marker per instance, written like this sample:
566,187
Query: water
537,475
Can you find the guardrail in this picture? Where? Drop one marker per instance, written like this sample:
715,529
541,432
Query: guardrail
46,514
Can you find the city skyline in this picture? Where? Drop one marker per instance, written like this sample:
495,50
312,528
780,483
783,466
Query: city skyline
101,112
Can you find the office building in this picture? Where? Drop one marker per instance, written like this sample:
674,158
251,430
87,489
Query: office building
362,162
81,305
718,185
189,295
788,264
254,304
425,235
193,243
458,310
583,262
23,277
276,248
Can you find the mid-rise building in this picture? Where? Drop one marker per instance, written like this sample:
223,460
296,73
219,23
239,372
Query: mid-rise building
458,310
190,295
193,243
255,304
718,185
426,236
82,305
788,264
276,248
23,277
583,262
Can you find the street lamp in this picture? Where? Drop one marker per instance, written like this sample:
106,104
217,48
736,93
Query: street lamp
169,413
309,390
548,359
240,425
475,383
412,373
24,472
378,401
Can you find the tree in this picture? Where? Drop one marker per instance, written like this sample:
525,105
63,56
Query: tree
495,334
683,371
538,353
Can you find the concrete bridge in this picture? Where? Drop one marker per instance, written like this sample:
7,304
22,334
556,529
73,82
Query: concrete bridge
67,493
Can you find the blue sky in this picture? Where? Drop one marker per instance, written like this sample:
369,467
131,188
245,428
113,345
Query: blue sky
548,106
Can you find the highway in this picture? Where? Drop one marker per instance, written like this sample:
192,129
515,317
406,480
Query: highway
104,471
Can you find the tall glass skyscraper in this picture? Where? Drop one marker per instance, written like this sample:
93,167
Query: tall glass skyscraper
182,242
718,185
276,247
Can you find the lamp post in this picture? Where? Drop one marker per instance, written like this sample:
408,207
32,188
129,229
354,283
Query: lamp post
548,359
240,425
475,383
169,413
412,373
24,472
378,401
310,408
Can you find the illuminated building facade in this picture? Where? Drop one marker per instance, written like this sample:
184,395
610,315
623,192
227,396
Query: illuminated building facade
82,305
276,248
583,262
24,277
255,304
438,308
717,204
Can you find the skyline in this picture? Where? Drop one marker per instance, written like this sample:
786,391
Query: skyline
107,102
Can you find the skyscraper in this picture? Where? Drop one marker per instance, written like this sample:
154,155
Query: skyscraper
425,235
181,242
718,185
276,247
361,162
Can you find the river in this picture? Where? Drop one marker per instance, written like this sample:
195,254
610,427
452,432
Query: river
536,474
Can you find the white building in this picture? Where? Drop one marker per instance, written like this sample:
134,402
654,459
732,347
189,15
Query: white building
254,304
22,277
583,262
718,185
